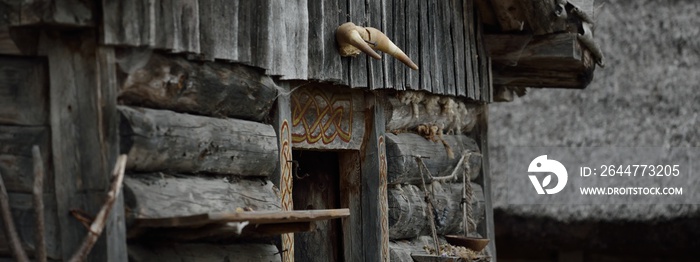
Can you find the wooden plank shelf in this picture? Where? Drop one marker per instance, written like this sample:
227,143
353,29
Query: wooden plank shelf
252,217
223,226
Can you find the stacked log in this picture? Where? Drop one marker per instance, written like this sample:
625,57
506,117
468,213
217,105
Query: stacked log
196,145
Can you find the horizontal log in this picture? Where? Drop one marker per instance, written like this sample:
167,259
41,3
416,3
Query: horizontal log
407,216
23,91
428,109
163,196
555,60
22,208
204,252
402,149
164,140
205,88
16,163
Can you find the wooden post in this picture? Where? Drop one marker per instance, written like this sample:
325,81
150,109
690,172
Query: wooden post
283,177
83,120
375,222
486,229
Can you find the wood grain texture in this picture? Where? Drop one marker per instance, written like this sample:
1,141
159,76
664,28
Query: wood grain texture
402,150
129,22
23,213
164,140
23,91
358,65
16,161
351,198
375,224
67,13
327,117
554,60
204,252
82,82
218,20
209,88
161,196
178,26
408,217
282,177
486,229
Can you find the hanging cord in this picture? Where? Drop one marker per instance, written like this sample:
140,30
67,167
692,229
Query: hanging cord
429,201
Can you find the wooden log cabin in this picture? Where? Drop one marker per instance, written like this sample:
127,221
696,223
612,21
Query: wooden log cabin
250,138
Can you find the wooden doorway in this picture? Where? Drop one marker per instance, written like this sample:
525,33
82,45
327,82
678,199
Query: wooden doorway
317,186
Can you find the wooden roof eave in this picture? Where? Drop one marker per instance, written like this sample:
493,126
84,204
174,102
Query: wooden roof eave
539,43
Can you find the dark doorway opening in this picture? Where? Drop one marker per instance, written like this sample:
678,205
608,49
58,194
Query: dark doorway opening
317,186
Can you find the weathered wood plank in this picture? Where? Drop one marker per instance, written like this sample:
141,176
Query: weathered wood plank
359,74
402,150
209,88
318,189
427,46
296,19
16,157
161,196
71,13
351,198
332,63
376,78
472,56
83,81
446,54
221,233
178,26
23,91
252,217
327,117
401,116
204,252
456,12
218,21
129,22
413,43
164,140
246,23
261,35
22,208
486,229
408,217
396,20
375,223
282,177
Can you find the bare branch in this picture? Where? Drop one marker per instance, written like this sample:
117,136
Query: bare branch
99,223
38,193
10,231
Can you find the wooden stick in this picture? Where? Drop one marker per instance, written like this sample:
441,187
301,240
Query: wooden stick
10,231
429,201
38,194
99,223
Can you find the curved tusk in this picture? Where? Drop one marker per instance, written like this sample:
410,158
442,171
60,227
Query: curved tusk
350,42
382,43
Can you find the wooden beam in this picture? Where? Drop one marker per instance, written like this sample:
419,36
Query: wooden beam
203,252
375,222
282,177
83,117
408,217
164,140
162,196
351,198
252,217
209,88
228,232
402,149
555,60
486,229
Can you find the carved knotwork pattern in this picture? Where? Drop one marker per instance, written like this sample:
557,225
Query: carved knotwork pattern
318,116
